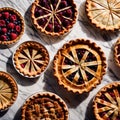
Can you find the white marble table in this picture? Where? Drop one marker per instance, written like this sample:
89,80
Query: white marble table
80,106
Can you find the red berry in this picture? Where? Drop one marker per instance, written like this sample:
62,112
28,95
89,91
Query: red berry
13,36
13,18
4,30
3,37
0,15
11,25
18,28
2,22
6,14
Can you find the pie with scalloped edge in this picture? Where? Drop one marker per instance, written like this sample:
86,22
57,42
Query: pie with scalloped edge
11,25
104,13
79,65
53,17
8,90
31,59
44,106
106,104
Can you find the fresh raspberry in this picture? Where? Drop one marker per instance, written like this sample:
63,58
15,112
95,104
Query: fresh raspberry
18,28
13,18
4,30
11,25
13,36
2,22
3,37
6,14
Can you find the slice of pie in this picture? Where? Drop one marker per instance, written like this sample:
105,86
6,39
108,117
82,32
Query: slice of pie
79,65
53,17
31,59
11,25
106,104
104,13
44,106
8,90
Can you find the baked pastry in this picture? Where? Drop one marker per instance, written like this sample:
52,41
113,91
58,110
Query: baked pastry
104,13
8,90
117,52
11,25
31,59
44,106
79,65
53,17
106,104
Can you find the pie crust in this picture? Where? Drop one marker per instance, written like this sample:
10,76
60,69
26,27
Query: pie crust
55,17
44,106
11,26
8,90
31,59
79,65
106,104
104,13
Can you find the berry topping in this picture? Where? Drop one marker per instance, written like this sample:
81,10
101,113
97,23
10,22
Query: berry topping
18,28
13,36
4,30
2,23
11,25
69,13
49,27
0,15
3,37
63,4
6,14
13,18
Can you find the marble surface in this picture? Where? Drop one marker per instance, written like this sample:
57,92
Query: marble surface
80,106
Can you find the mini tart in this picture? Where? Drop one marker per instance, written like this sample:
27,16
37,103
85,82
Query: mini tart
8,90
53,17
106,104
104,13
31,59
44,106
11,26
79,65
117,52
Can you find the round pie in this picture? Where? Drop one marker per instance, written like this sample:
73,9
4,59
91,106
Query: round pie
53,17
104,13
31,59
106,104
44,106
8,90
79,65
11,25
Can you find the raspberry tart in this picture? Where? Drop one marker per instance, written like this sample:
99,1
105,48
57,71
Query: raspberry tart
31,59
79,65
53,17
44,106
8,90
106,104
104,13
11,25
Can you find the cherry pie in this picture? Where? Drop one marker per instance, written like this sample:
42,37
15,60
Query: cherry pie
79,65
53,17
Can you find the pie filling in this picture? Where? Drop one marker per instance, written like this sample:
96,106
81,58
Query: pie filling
118,52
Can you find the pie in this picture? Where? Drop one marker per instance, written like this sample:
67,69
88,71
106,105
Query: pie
106,104
53,17
79,65
117,52
8,90
31,59
11,25
44,106
104,13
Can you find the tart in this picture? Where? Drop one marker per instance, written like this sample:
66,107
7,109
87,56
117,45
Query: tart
117,52
104,13
11,25
31,59
106,104
53,17
44,106
8,90
79,65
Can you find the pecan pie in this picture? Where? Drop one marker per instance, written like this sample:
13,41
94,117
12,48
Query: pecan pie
53,17
106,104
104,13
11,25
31,59
8,90
44,106
79,65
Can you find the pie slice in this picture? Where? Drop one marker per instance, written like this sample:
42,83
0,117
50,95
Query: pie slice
106,104
31,59
44,106
104,13
79,65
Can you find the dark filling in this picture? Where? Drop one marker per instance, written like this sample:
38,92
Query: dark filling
118,52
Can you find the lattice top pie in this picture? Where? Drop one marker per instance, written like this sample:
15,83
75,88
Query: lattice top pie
53,17
79,65
44,106
107,102
31,59
104,13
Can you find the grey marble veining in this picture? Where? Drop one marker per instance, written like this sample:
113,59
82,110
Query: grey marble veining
80,106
